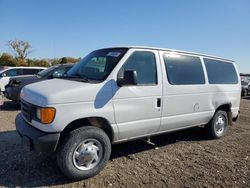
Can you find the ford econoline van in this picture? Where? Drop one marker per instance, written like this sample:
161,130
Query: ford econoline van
118,94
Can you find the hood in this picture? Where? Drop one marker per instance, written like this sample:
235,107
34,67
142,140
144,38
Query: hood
61,91
24,80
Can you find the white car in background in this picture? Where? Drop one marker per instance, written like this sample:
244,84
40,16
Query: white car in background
8,72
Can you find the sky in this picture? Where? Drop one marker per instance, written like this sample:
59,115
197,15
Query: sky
58,28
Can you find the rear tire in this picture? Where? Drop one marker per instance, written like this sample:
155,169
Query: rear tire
218,125
83,153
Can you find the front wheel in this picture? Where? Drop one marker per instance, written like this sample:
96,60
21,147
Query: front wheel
218,125
83,153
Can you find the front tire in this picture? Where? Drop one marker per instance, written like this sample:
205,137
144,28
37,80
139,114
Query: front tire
218,125
83,153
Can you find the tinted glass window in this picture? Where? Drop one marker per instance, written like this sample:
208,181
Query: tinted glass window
145,66
30,71
47,72
13,72
59,72
183,69
98,64
220,72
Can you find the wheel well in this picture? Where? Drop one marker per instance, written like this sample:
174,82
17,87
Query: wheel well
98,122
224,107
227,109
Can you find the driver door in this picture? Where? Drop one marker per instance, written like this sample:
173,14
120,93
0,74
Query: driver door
138,107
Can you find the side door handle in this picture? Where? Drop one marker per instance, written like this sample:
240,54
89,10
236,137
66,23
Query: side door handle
158,103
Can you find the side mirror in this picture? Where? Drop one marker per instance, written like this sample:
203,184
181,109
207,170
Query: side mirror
4,75
126,78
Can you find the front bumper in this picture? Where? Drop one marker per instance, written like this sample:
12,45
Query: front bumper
35,139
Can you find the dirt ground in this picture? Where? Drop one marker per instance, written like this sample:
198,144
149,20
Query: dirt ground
184,159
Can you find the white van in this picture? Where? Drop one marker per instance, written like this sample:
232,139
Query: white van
7,73
119,94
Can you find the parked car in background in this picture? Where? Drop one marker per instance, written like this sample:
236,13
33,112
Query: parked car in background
9,72
245,87
16,83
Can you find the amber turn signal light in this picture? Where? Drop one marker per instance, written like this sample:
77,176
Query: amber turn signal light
46,115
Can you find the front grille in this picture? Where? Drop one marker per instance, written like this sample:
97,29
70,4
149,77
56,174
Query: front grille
26,110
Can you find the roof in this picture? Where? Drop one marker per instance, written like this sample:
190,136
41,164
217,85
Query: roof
26,68
8,68
178,51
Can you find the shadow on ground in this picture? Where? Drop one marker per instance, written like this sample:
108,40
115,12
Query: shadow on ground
22,168
247,98
9,106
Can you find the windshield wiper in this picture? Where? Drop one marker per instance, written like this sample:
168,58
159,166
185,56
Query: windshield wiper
76,76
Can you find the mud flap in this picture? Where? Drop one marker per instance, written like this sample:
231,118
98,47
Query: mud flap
1,98
230,118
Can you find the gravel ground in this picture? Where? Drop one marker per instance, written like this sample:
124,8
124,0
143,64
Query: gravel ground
183,159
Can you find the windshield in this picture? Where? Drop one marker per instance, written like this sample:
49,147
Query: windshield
45,72
98,64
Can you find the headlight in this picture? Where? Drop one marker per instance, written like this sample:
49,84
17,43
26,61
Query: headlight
46,115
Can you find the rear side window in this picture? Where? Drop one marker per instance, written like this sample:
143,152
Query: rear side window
145,66
30,71
183,69
220,72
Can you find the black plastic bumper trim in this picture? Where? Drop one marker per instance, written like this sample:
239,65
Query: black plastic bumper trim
36,139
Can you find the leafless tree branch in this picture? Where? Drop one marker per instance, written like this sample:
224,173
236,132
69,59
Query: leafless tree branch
21,48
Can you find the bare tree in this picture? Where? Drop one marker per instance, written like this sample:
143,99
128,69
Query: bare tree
21,48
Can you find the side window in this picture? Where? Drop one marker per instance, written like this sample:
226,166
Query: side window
145,66
183,69
35,71
30,71
220,72
19,72
12,72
